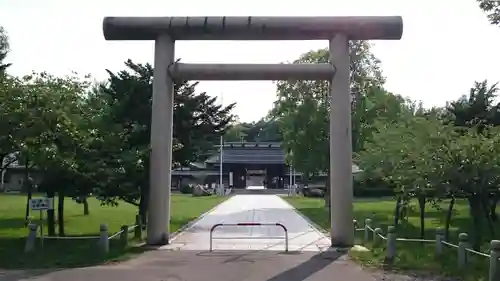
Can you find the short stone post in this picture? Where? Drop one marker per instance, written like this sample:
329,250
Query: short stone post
463,243
124,236
355,225
391,244
138,227
494,263
439,241
103,239
31,239
368,223
376,235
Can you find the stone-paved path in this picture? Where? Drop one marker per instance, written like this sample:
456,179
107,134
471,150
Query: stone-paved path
253,209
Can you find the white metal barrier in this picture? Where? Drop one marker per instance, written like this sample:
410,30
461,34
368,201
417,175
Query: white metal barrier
249,224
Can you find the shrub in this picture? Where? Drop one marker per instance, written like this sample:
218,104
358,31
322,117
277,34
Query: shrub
371,188
186,189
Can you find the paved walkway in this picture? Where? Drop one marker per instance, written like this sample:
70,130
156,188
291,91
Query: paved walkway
252,209
219,266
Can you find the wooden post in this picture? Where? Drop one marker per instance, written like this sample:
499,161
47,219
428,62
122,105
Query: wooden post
439,241
463,243
103,239
138,227
494,263
376,237
391,244
31,239
124,236
355,223
368,222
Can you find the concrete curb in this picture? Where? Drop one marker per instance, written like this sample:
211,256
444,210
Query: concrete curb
176,234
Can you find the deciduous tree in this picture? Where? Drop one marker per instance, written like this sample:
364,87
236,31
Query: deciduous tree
302,108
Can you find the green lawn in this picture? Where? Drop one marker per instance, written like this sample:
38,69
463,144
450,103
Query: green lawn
71,253
410,255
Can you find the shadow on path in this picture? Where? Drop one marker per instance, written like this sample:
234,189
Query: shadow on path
15,275
309,267
219,265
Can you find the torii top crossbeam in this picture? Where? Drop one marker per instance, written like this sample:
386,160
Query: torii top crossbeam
253,28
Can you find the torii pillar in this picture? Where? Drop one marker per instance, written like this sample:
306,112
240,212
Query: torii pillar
166,30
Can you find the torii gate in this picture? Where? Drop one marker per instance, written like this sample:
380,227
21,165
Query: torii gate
166,30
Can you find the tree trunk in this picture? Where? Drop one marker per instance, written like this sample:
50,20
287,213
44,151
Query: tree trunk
2,168
28,199
327,197
27,186
486,212
475,211
143,206
60,213
449,215
85,203
327,192
397,211
51,220
493,207
421,204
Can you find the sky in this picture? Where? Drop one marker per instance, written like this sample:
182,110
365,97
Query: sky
446,44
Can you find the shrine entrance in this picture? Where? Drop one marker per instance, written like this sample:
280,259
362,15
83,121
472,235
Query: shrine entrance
337,30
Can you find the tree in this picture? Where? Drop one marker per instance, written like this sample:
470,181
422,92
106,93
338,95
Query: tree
406,156
122,146
13,114
492,9
472,170
264,130
51,134
4,50
198,123
237,132
378,105
302,108
477,109
431,161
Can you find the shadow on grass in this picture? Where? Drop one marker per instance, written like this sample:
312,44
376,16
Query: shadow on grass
68,253
12,223
411,257
61,253
417,258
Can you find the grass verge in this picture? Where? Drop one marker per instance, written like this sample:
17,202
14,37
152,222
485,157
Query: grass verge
77,253
411,256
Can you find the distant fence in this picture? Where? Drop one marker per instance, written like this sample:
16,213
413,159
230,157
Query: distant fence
102,240
463,248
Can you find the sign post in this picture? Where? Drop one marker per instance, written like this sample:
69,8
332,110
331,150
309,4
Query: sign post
41,204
